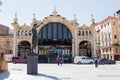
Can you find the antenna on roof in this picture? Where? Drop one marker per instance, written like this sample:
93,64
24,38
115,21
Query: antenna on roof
54,12
54,6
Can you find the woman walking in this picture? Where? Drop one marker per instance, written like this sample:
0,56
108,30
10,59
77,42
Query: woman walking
58,59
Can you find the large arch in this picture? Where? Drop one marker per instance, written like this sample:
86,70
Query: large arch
24,48
85,49
55,39
57,19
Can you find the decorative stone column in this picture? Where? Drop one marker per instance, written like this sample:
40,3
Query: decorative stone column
14,43
73,47
15,27
76,48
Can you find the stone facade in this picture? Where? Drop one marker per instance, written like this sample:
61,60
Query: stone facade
4,30
80,34
6,40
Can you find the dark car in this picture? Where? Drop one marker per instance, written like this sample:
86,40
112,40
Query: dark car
106,61
19,60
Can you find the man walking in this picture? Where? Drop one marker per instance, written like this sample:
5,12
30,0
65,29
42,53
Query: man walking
96,62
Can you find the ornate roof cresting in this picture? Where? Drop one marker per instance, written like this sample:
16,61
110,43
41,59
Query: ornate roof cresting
75,19
55,12
92,19
15,19
34,18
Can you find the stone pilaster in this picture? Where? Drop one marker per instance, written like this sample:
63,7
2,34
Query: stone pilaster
15,27
73,48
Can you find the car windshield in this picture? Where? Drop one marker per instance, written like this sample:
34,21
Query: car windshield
104,59
83,58
88,58
17,58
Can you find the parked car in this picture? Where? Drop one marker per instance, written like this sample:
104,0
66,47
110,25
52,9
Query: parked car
83,60
19,60
106,61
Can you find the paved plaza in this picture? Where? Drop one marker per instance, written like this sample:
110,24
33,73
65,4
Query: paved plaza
64,72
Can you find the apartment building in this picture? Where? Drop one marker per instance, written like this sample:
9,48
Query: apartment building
118,17
108,38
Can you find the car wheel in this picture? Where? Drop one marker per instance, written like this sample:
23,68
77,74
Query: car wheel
14,62
79,62
91,62
102,63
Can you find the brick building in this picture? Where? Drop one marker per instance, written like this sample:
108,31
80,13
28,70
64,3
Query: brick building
6,40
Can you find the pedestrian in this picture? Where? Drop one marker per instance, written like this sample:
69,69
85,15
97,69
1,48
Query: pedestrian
58,59
61,61
96,62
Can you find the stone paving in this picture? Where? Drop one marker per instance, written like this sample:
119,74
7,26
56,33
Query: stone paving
64,72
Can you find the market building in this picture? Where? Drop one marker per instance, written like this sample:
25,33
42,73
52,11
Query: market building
57,36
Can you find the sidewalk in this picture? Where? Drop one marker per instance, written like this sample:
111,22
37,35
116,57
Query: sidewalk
64,72
117,62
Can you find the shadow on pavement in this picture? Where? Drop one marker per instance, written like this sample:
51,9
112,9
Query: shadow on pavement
4,75
47,76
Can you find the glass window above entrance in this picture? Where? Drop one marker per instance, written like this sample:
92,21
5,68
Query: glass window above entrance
54,31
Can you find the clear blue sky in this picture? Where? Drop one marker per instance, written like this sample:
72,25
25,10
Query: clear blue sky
66,8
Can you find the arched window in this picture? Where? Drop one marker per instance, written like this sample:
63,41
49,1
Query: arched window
82,33
79,33
18,33
29,33
86,33
22,33
54,31
90,33
26,33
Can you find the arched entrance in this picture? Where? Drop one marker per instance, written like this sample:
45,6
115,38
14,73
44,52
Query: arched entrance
55,39
24,48
85,49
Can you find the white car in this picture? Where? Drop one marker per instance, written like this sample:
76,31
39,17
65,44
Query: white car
9,57
83,60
